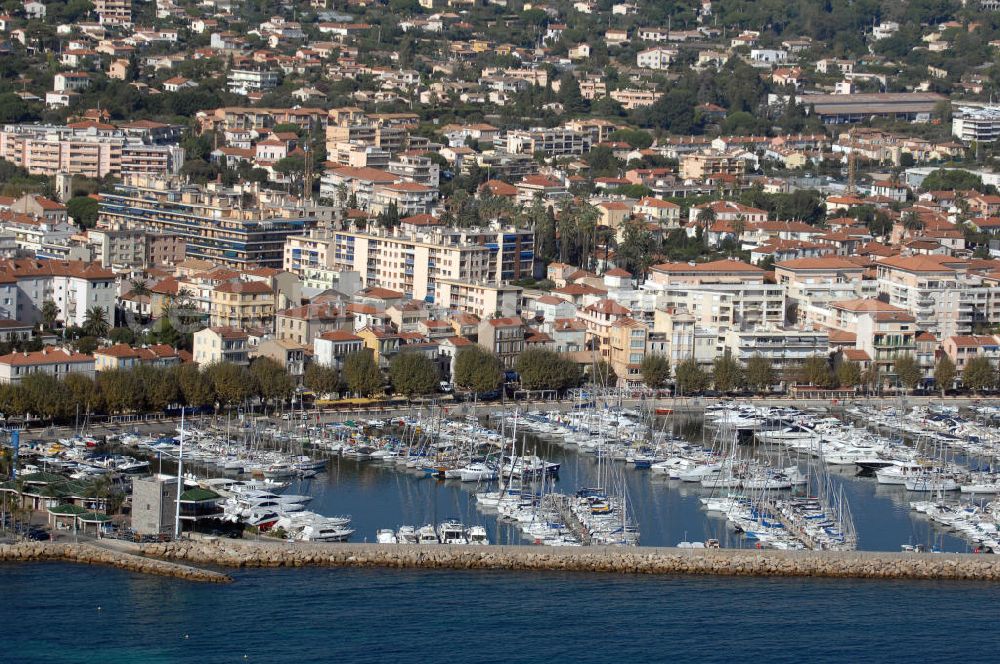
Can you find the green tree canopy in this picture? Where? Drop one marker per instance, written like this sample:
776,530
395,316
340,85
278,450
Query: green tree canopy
413,374
83,210
760,374
362,374
542,369
945,374
727,374
816,371
655,370
691,378
478,370
908,371
270,380
849,374
231,383
95,322
321,380
979,375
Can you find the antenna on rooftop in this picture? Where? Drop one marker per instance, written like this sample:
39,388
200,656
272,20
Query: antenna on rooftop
851,164
307,184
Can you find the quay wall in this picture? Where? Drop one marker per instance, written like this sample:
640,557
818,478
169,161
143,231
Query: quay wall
720,562
90,554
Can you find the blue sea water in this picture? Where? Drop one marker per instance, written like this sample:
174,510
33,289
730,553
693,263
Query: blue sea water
58,613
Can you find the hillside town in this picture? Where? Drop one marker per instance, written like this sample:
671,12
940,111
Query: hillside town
688,196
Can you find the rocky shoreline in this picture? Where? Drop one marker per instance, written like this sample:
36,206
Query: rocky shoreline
182,560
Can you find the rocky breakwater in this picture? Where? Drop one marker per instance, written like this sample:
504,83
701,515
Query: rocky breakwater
91,554
724,562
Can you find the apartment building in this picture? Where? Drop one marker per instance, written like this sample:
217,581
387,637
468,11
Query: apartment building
221,344
56,362
407,198
331,348
627,339
664,212
935,290
242,304
414,262
887,336
784,348
340,184
113,12
245,81
631,99
123,356
556,142
358,155
810,284
238,227
738,306
656,58
255,119
135,248
961,349
90,150
979,125
702,165
483,300
74,286
504,337
420,170
304,324
288,354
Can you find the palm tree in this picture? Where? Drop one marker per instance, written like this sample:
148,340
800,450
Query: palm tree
139,286
95,323
50,312
911,222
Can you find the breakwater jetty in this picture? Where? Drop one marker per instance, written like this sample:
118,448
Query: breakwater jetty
92,554
641,560
183,559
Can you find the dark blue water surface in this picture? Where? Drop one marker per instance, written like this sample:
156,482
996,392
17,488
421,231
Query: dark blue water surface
667,511
81,615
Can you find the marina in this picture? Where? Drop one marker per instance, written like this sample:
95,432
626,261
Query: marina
737,476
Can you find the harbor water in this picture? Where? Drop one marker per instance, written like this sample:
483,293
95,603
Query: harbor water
77,615
378,495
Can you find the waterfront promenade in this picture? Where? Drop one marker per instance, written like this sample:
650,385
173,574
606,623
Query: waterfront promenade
184,559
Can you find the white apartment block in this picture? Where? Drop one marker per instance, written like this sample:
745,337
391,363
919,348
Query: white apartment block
483,300
550,142
51,361
738,306
89,151
656,58
415,263
74,286
981,125
786,349
245,81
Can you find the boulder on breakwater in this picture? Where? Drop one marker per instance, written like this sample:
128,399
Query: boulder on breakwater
722,562
91,554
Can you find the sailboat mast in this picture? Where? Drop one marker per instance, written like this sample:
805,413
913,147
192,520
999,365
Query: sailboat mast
180,481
